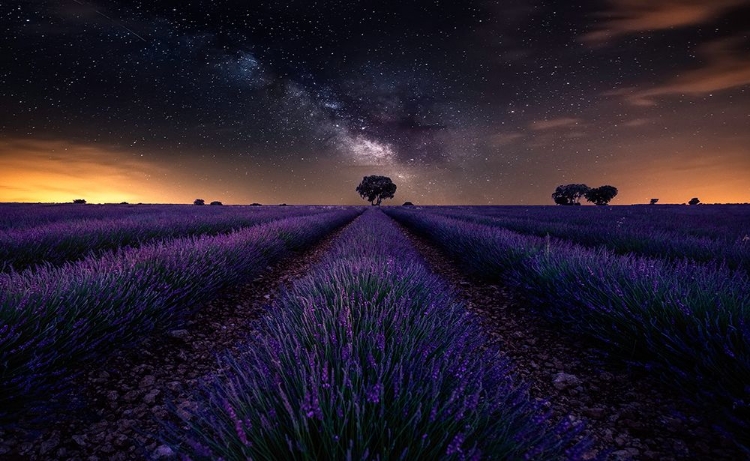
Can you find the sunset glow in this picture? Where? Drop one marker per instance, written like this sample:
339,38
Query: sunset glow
467,103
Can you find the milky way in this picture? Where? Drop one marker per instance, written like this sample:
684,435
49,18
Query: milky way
466,101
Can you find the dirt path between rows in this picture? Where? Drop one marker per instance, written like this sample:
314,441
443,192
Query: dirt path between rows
627,413
121,400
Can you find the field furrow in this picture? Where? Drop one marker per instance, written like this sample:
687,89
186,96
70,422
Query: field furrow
627,411
55,319
369,356
686,323
74,239
660,232
113,414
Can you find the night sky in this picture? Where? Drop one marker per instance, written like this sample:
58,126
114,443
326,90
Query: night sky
459,102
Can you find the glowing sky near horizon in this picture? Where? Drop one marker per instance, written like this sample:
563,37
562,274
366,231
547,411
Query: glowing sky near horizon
470,102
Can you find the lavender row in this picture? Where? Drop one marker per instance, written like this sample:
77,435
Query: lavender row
70,240
686,322
655,231
25,215
716,222
369,357
54,319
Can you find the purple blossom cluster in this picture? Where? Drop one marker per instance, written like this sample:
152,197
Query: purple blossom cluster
702,234
53,319
369,356
74,238
686,321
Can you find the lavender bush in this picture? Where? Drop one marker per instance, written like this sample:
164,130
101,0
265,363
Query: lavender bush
53,319
369,357
688,322
72,239
701,235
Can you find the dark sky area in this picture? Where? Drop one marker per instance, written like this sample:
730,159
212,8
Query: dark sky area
459,102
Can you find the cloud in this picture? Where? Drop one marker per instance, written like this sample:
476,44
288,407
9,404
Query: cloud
626,17
504,138
555,123
60,171
725,69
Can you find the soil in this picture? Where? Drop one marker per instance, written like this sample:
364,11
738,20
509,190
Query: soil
122,400
628,414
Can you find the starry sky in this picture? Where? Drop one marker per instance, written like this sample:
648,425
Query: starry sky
458,101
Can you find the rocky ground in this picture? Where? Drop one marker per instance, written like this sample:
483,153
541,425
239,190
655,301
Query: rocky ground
626,412
125,398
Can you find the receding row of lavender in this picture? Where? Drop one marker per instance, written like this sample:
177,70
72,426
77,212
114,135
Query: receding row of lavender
709,234
369,356
54,319
685,321
24,215
74,238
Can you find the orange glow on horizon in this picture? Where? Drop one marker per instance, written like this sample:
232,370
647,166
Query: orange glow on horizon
54,171
59,171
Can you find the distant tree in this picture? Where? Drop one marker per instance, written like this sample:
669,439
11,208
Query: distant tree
123,203
694,201
407,204
283,204
653,201
601,195
216,202
79,201
570,194
376,188
199,201
255,204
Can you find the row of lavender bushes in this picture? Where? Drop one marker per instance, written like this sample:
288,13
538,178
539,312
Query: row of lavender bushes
25,215
73,239
717,222
654,232
53,320
687,322
368,357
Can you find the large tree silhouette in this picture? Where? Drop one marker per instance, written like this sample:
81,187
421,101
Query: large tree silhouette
376,188
601,195
570,194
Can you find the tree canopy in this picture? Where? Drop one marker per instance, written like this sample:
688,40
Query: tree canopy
601,195
570,194
376,188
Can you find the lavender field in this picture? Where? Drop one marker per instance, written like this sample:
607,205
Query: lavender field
358,346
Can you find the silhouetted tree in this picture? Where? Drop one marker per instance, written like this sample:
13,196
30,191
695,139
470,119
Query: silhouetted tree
407,204
255,204
569,194
376,188
694,201
216,202
653,201
199,201
79,201
601,195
